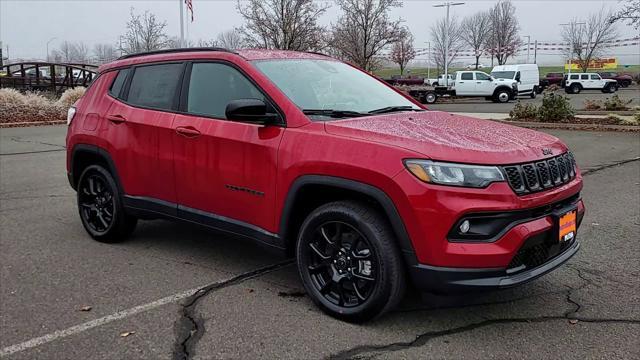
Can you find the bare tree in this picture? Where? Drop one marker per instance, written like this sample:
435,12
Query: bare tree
441,35
230,39
208,43
629,12
403,51
104,53
504,40
144,33
71,52
364,30
588,39
282,24
475,31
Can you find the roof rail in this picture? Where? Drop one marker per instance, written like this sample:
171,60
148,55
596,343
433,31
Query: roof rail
169,51
317,53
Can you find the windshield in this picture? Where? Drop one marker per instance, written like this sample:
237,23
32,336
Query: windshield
332,88
503,74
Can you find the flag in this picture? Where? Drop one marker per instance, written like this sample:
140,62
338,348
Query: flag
189,7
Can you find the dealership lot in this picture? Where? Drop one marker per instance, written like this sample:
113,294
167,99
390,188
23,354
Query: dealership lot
479,105
252,305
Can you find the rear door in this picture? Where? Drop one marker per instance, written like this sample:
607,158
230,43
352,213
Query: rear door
465,85
139,130
225,170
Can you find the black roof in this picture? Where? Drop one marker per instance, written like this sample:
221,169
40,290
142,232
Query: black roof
178,50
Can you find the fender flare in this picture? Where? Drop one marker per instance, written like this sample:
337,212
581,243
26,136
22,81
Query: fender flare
96,151
389,208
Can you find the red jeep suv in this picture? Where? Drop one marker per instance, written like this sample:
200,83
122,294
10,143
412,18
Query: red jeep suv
364,186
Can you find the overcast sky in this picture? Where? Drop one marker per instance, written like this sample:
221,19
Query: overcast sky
27,25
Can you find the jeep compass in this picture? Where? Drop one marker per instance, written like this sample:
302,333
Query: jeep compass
367,189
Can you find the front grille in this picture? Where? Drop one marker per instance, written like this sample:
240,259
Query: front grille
537,251
542,175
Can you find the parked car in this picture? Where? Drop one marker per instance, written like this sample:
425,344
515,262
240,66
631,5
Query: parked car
552,78
527,76
577,82
325,163
624,80
406,80
440,80
471,84
473,66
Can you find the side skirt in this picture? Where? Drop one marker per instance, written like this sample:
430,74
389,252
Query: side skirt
146,207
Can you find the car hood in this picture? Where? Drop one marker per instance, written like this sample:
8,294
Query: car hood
448,137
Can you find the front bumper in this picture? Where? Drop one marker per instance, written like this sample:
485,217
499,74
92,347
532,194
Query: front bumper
456,280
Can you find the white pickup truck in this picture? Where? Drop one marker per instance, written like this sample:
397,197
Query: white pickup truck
440,81
471,84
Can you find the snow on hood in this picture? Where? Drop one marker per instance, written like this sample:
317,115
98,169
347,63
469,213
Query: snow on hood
448,137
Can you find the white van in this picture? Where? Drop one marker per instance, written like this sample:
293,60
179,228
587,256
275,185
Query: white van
527,76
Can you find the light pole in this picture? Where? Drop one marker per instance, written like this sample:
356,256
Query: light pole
428,59
528,46
50,40
181,23
572,49
447,4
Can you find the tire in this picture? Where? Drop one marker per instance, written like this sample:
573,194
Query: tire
327,261
612,89
575,88
625,83
534,93
430,98
502,96
100,206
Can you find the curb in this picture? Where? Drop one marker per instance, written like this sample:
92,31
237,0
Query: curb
33,123
563,126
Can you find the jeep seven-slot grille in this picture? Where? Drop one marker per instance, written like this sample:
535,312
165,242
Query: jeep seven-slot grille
541,175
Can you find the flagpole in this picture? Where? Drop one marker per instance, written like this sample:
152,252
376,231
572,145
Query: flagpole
181,23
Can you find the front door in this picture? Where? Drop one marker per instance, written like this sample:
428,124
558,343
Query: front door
225,170
484,85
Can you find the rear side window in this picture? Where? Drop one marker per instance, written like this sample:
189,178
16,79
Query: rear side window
155,86
584,77
213,85
466,76
118,83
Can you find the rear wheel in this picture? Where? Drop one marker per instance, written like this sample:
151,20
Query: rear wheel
430,98
625,83
348,261
100,207
534,93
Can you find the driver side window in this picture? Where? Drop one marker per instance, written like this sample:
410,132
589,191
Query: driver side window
212,86
482,76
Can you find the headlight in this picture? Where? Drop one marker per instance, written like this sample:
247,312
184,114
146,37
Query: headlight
70,114
441,173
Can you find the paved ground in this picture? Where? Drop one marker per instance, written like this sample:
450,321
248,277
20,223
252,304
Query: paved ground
480,105
251,305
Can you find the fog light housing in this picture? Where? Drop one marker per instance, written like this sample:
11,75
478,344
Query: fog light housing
464,227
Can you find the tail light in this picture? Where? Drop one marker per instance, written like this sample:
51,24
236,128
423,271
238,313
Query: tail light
70,114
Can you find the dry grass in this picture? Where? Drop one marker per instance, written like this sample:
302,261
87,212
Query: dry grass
34,107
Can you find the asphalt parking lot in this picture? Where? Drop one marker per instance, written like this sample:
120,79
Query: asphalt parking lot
145,303
480,105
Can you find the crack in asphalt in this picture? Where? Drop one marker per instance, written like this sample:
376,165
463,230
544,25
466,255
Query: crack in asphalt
360,352
21,140
606,166
189,327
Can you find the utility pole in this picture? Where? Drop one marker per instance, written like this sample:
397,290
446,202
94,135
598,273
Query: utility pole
428,59
181,23
447,4
572,49
535,52
1,58
528,46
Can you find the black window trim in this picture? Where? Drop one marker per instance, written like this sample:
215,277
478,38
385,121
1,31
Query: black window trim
184,92
124,94
119,95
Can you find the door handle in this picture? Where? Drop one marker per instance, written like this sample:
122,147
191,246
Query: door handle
188,131
478,82
116,119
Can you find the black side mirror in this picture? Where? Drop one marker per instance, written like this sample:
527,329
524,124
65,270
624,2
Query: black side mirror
250,110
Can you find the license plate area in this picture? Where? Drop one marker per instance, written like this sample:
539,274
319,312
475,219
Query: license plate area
567,226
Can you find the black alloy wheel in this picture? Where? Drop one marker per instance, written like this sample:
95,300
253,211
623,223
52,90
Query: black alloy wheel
349,262
341,264
100,206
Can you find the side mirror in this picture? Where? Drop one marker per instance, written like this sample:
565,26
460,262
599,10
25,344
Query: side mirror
251,111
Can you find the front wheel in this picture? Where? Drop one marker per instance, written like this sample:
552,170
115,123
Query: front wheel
100,206
502,96
348,261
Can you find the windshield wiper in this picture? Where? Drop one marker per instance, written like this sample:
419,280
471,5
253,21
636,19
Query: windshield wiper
389,109
333,113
